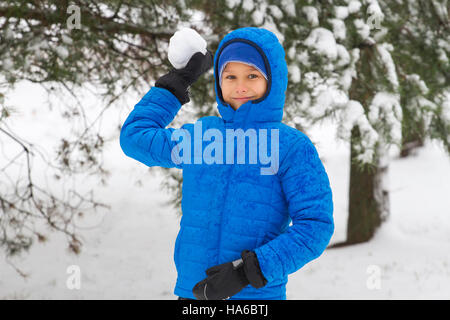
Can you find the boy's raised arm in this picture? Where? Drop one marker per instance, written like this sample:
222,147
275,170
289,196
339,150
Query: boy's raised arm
144,135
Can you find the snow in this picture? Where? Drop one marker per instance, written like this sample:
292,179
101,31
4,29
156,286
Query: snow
442,56
362,28
385,110
289,7
341,12
183,45
343,56
353,115
259,14
339,29
66,39
444,44
327,96
248,5
346,78
446,107
295,73
322,40
62,52
303,58
441,9
276,12
232,3
7,64
415,78
374,9
291,52
128,250
384,52
312,16
419,103
354,6
8,34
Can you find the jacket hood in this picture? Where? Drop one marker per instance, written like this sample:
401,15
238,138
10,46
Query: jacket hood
268,108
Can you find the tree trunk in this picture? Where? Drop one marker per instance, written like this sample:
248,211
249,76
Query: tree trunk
412,140
368,196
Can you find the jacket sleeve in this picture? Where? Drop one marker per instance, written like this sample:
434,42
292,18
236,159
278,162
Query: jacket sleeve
308,193
144,137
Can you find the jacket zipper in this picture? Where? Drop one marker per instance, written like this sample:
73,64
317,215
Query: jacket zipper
230,175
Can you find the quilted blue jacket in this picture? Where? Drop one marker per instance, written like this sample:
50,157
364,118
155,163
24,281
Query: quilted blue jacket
283,211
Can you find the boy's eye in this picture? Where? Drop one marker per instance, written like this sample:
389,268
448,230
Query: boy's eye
253,76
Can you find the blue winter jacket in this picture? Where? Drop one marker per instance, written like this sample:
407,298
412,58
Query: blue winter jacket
232,206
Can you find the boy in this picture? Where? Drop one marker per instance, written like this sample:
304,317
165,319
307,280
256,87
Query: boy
235,239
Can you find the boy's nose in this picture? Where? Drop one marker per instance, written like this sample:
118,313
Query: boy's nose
241,88
241,91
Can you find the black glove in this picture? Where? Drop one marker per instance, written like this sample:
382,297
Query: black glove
178,81
227,279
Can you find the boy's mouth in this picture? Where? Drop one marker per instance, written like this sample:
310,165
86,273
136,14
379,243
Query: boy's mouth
242,99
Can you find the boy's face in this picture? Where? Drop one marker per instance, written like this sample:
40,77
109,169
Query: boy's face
240,80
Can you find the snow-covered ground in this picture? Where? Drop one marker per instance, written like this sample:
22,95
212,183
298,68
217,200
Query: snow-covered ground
127,250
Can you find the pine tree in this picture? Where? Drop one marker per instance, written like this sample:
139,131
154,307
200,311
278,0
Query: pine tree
379,69
116,47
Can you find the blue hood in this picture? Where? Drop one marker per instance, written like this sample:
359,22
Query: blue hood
268,108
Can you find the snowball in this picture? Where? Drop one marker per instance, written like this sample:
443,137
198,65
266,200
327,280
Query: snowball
183,45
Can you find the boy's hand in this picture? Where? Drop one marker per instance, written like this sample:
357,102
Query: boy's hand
223,281
178,81
197,65
226,280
